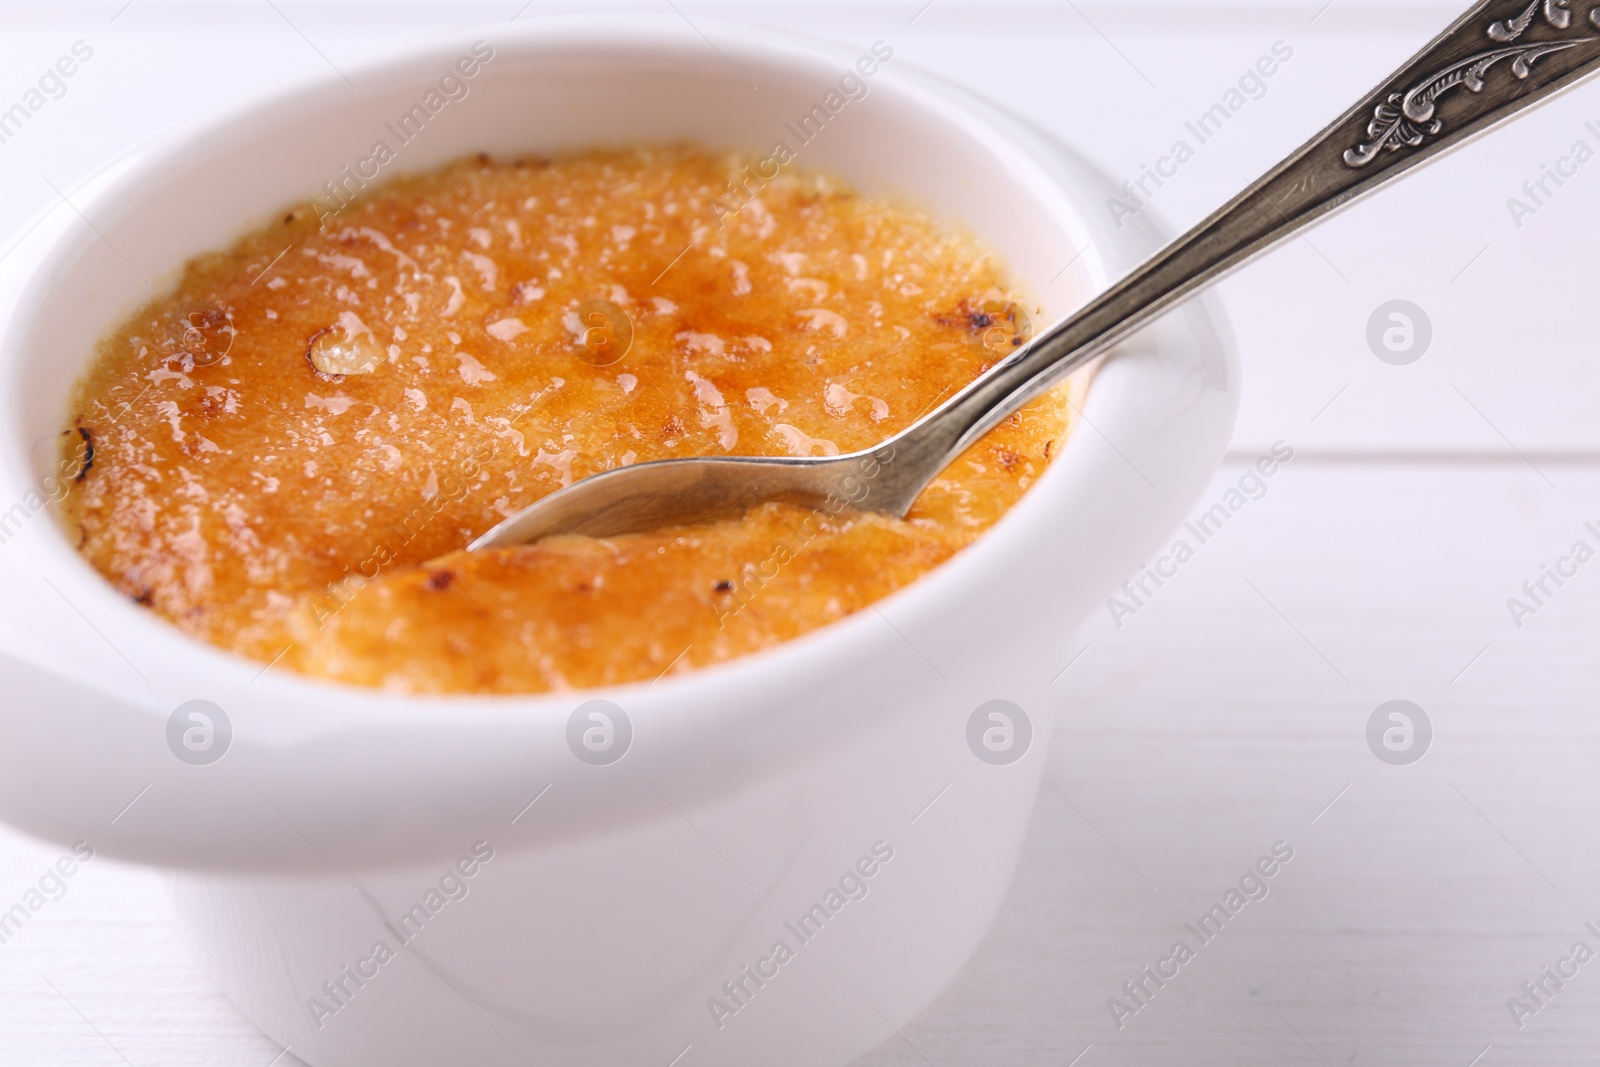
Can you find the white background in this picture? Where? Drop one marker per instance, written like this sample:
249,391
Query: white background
1230,711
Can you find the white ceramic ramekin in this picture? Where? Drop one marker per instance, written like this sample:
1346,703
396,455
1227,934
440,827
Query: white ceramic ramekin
828,795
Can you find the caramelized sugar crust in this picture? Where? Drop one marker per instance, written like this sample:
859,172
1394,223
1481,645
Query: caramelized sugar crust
283,443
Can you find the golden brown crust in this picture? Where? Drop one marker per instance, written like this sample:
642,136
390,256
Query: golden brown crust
282,443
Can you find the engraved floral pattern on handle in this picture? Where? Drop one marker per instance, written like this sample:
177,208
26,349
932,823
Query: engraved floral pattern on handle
1406,120
1557,13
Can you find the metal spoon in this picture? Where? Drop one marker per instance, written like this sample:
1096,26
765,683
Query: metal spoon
1499,58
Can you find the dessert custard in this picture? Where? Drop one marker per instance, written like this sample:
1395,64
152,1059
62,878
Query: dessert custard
287,454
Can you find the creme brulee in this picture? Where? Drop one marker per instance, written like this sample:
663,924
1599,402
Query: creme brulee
287,454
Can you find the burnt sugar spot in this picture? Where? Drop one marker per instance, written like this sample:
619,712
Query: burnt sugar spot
88,453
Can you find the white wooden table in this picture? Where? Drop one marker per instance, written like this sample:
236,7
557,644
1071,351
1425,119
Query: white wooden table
1230,711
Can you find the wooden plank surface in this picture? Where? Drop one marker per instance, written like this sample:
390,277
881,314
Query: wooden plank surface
1230,713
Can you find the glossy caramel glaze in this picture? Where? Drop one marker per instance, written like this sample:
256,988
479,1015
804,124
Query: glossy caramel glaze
283,443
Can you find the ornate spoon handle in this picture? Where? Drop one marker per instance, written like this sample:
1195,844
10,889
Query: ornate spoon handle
1499,58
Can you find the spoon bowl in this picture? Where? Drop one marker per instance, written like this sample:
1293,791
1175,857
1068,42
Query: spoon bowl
677,492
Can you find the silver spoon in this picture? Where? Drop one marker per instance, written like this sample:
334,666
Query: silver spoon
1499,58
